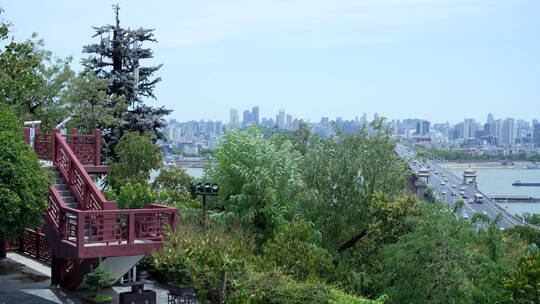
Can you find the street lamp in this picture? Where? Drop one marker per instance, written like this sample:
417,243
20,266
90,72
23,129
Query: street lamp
204,190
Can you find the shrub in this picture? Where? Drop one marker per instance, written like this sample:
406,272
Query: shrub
295,249
135,196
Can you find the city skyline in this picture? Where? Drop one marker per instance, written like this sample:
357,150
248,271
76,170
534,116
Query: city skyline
327,58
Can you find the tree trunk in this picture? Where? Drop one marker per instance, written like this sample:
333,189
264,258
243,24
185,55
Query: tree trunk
3,248
223,287
350,243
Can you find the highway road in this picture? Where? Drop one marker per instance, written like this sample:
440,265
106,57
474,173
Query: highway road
450,188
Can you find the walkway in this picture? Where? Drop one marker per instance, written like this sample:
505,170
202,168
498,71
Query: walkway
24,280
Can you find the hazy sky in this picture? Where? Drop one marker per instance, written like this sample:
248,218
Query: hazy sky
435,59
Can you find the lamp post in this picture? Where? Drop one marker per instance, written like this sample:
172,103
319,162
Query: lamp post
204,190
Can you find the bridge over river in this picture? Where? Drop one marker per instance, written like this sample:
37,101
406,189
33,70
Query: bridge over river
448,187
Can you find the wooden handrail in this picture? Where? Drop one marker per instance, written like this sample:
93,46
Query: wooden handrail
60,143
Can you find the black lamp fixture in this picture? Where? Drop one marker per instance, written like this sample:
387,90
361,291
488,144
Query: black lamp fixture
204,190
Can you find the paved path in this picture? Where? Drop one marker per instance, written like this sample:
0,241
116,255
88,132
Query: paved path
24,280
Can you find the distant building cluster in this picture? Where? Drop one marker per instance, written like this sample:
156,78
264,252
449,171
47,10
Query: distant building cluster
192,136
495,135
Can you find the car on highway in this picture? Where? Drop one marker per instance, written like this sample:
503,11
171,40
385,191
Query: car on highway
462,189
478,198
470,201
442,184
453,186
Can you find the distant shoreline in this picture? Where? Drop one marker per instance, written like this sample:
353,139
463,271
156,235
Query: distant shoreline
481,164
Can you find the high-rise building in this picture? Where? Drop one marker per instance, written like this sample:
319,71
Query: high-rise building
508,131
376,116
247,119
422,127
255,115
280,119
288,124
490,118
234,121
364,118
536,134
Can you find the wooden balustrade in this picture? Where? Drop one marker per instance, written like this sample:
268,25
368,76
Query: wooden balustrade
87,147
97,228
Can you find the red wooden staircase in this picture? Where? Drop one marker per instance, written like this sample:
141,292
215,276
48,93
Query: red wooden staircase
81,225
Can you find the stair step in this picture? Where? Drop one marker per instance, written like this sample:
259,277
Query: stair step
59,180
68,199
64,192
61,187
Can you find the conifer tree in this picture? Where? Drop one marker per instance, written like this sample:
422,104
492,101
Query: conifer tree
117,58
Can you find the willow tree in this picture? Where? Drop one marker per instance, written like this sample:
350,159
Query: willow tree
116,57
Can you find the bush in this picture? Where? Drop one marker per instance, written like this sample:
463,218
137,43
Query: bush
275,287
295,249
136,196
209,258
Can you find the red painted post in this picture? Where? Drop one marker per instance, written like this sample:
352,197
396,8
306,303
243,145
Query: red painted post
26,132
80,234
131,228
53,144
97,138
74,141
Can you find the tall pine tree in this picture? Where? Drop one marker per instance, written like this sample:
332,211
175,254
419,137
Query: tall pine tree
116,58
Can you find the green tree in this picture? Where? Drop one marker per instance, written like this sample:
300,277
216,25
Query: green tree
137,156
87,99
175,181
32,80
96,280
260,180
523,286
435,263
117,59
23,182
342,174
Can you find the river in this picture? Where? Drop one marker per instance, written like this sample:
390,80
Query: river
498,181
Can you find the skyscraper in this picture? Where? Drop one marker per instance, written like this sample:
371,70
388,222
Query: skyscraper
288,124
508,135
280,119
255,115
246,118
536,134
234,121
422,127
490,118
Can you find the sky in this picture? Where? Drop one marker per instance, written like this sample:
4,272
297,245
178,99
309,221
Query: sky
442,60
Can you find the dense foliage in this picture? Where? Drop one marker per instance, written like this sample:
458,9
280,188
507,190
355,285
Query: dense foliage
137,156
23,182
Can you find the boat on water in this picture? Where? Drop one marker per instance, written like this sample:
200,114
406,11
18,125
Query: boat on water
518,183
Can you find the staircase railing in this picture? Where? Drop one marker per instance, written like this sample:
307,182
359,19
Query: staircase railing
97,228
82,186
87,147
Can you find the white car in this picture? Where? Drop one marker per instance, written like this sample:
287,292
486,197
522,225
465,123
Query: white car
453,186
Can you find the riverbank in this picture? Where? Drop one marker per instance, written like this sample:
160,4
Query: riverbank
484,164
